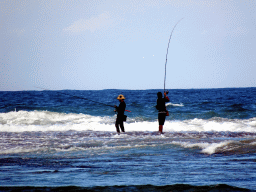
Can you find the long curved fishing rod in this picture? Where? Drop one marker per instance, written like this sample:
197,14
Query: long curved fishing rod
167,51
81,98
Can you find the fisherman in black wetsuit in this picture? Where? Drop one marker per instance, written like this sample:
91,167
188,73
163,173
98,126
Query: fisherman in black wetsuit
162,112
120,114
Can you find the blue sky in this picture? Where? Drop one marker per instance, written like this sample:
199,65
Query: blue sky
113,44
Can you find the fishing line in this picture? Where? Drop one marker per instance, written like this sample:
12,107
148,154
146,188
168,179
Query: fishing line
167,51
81,98
77,97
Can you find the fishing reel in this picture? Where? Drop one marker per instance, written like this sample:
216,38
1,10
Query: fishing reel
166,92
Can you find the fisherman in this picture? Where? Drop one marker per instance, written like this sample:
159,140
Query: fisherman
120,114
162,112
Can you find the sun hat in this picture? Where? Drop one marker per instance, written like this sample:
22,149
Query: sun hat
120,97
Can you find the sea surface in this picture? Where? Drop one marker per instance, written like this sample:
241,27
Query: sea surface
68,138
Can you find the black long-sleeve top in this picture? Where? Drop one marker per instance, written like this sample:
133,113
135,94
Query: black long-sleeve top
161,103
120,109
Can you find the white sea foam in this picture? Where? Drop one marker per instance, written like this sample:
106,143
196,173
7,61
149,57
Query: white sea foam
175,104
213,147
207,148
16,150
22,121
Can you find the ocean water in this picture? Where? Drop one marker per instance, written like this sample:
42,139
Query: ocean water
68,138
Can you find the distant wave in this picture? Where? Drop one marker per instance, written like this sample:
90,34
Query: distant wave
225,147
175,105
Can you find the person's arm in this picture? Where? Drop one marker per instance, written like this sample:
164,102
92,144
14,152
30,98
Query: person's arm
120,108
166,97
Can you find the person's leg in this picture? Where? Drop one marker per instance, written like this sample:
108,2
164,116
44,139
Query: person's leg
161,128
122,126
117,126
161,120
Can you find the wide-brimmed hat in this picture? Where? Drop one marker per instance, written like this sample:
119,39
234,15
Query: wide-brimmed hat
120,97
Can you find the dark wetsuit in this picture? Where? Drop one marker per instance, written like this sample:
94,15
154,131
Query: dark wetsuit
161,109
120,116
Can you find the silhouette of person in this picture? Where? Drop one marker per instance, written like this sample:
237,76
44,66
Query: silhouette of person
120,114
162,112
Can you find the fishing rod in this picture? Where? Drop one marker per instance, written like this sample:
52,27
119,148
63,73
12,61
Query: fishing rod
81,98
167,52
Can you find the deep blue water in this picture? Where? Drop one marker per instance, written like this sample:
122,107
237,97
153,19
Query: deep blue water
232,103
67,137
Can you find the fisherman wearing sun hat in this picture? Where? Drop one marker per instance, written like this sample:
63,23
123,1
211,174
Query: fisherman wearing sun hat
120,114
